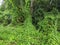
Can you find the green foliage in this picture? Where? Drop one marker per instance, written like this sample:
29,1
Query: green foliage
48,29
55,11
21,25
58,24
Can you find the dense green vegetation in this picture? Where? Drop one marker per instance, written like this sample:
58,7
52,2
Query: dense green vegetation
30,22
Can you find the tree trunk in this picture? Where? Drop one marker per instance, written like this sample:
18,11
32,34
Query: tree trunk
31,6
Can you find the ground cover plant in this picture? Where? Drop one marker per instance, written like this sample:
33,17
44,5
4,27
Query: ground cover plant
30,22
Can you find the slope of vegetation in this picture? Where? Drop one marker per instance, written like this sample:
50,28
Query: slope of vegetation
30,22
